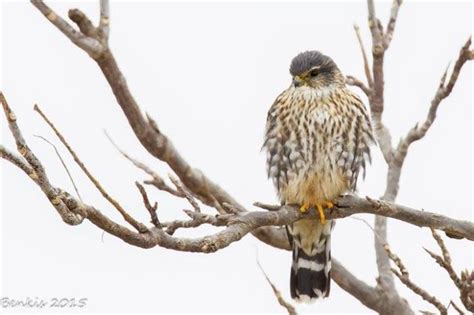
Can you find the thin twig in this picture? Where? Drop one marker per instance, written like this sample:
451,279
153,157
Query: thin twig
151,209
156,180
184,191
35,169
467,289
444,90
281,300
104,23
445,261
457,308
391,23
137,225
63,163
351,80
368,74
403,275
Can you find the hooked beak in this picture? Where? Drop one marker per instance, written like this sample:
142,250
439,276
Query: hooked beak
297,81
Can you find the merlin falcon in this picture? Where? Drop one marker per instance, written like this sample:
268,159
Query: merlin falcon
317,140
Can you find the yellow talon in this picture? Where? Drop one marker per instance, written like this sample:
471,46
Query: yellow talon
304,208
322,217
328,204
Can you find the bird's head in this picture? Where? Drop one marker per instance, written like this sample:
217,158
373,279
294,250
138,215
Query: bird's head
315,70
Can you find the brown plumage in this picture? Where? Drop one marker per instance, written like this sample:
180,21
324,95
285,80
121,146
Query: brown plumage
317,140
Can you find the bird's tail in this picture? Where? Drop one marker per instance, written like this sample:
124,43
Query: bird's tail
311,268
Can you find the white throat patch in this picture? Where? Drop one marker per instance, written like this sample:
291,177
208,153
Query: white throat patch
310,93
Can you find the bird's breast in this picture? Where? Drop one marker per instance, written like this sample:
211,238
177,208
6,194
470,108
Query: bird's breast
304,153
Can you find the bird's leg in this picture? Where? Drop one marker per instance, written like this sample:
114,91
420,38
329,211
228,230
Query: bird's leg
322,217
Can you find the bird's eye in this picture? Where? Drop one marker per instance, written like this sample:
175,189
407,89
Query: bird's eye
314,73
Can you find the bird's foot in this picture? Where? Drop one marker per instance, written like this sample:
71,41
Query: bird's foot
320,206
325,204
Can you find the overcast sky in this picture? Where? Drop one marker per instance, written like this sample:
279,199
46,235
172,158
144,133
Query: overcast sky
208,72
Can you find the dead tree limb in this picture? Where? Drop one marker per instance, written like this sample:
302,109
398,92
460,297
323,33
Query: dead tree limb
403,275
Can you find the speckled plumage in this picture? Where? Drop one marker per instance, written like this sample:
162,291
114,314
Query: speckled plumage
317,140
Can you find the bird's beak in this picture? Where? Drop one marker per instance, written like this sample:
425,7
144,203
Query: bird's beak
297,81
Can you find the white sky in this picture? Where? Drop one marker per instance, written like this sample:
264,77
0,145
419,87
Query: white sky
208,72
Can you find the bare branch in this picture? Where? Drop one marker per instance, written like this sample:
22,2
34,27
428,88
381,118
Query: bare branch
366,294
63,164
184,191
391,23
385,281
156,180
18,161
85,25
467,289
457,308
35,169
444,261
151,209
198,219
104,23
281,300
402,274
368,75
444,90
376,101
137,225
22,147
356,82
349,205
465,284
90,45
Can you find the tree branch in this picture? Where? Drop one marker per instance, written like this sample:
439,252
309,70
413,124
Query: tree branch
356,82
368,75
376,101
90,45
385,280
151,209
104,22
403,275
32,166
127,217
443,91
288,306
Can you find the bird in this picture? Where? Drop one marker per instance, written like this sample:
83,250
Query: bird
317,140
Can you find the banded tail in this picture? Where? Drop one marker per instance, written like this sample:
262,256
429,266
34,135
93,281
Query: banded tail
310,276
